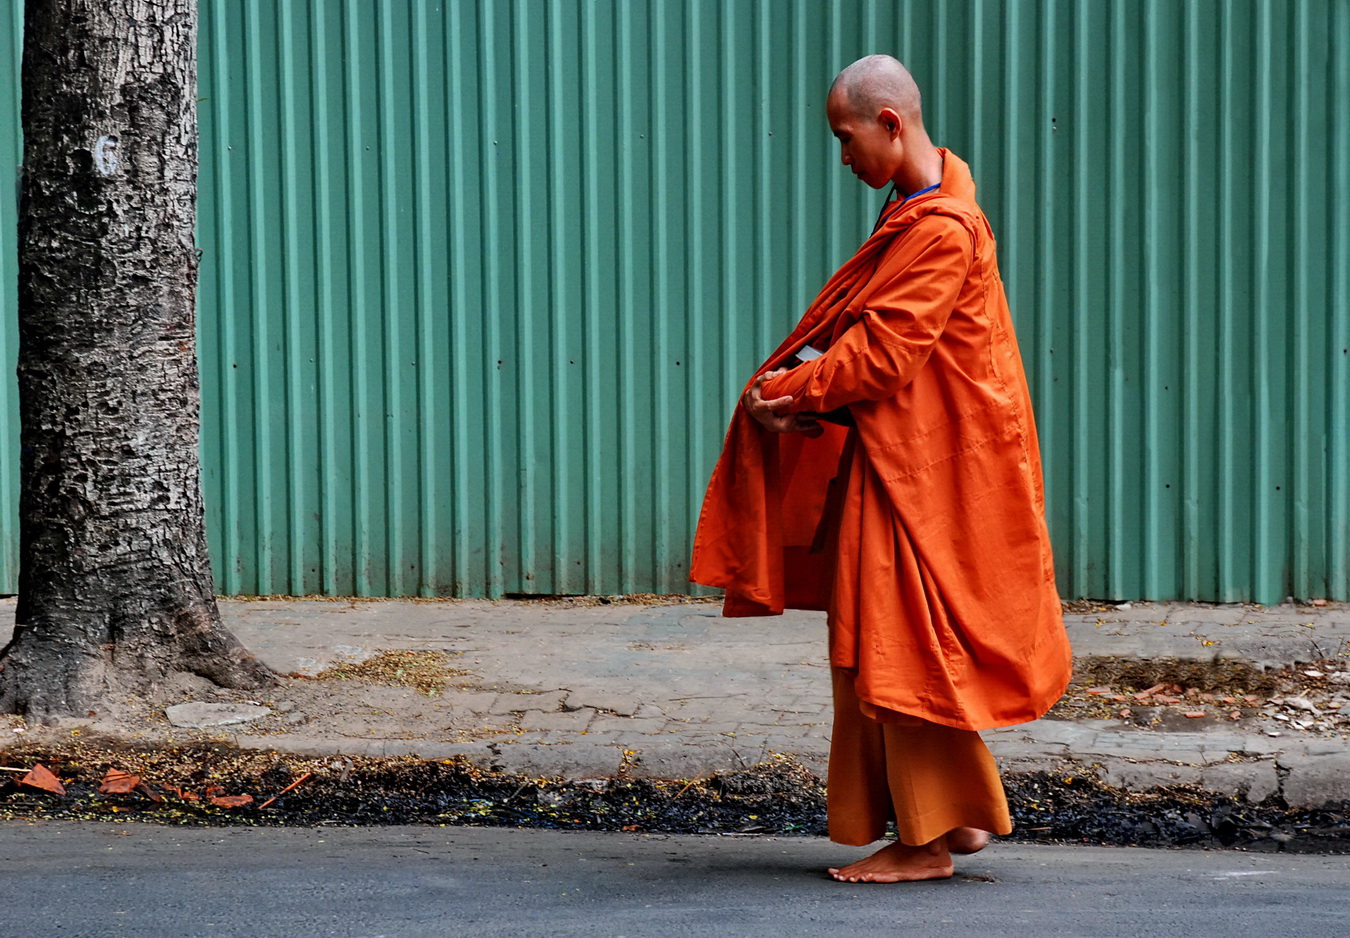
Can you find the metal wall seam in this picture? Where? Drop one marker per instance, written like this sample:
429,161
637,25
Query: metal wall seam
11,158
1304,462
1338,312
1263,292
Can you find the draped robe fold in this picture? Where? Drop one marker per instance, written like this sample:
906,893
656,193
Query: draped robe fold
940,581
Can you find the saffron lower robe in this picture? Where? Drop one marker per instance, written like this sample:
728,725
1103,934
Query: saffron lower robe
939,581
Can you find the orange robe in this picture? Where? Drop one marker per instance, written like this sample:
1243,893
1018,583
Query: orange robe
940,586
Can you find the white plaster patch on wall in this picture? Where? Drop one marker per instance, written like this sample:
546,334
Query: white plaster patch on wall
105,155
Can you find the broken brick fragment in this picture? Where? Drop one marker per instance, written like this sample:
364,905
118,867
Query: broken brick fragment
117,782
40,777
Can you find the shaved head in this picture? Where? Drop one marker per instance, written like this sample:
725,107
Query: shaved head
875,82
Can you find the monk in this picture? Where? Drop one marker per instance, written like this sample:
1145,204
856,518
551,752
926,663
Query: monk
883,466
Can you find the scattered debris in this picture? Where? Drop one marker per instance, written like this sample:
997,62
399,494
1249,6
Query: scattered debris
291,787
40,777
427,671
117,782
216,795
1313,698
777,797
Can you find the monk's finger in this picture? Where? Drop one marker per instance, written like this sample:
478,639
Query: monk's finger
777,403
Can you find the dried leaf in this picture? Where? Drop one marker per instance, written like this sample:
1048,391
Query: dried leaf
229,801
117,782
40,777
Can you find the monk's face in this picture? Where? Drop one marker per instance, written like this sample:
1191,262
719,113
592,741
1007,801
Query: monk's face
870,146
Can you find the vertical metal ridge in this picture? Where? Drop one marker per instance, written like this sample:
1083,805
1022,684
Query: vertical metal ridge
1080,520
1338,383
835,181
1225,527
595,404
459,137
664,575
387,293
1116,497
621,75
760,287
11,158
699,460
259,271
1151,261
1192,155
1011,248
1338,418
427,517
728,172
294,508
1300,459
494,508
359,396
230,562
1262,299
521,349
326,266
1047,424
559,419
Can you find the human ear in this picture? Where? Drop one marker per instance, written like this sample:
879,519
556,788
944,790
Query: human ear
891,121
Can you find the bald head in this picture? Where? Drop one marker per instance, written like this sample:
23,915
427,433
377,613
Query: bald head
875,82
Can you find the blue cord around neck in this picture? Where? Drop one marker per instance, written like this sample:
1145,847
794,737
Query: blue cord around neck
893,196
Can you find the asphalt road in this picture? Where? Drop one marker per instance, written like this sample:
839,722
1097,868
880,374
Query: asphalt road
104,880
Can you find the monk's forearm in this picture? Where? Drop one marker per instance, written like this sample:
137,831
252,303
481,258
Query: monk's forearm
894,335
867,365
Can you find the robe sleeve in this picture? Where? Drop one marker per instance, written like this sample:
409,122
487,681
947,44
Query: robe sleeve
900,323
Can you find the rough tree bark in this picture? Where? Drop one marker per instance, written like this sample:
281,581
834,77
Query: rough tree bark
115,587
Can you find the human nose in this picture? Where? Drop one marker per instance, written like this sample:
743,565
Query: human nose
845,157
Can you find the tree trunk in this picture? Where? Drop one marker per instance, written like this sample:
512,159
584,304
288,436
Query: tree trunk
115,587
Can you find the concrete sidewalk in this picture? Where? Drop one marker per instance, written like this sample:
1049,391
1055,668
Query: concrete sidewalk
675,691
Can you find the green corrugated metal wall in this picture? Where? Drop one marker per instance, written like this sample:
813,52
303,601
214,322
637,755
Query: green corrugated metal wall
481,280
11,157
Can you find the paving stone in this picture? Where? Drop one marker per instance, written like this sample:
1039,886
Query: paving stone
628,725
473,702
567,760
1008,750
198,714
791,745
518,703
574,721
1138,776
623,705
687,761
1315,780
707,709
1255,781
1060,731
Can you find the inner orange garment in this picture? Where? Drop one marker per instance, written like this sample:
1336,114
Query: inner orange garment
940,585
927,778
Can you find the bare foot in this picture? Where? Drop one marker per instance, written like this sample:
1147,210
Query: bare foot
899,863
967,840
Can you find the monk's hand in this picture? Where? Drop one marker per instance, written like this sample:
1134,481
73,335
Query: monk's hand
766,411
